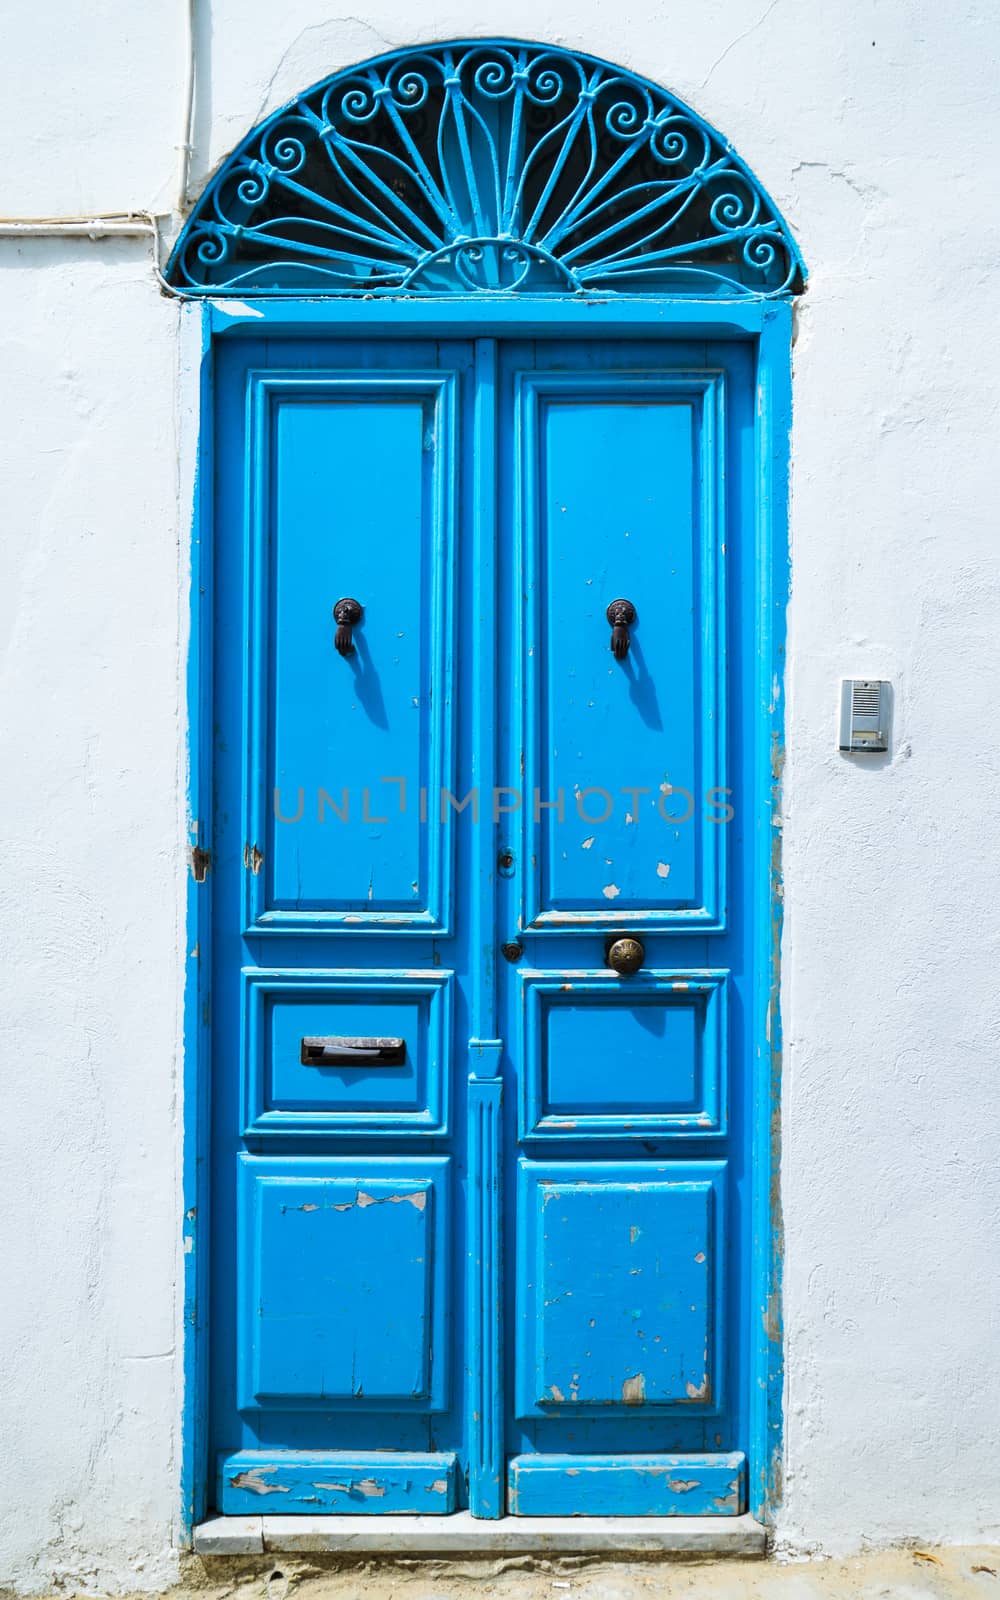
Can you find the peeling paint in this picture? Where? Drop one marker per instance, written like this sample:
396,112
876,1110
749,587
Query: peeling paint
370,1488
417,1198
255,1482
729,1503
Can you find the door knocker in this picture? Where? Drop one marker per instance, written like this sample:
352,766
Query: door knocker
621,615
346,614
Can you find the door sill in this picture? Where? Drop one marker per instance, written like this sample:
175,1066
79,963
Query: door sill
461,1534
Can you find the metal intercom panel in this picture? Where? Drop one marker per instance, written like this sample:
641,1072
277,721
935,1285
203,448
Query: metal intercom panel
864,714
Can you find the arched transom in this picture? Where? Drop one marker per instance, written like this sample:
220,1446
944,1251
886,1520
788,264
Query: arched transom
485,167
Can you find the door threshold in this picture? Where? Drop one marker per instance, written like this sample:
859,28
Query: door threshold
462,1534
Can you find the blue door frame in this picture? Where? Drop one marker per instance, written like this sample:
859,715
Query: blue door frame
766,325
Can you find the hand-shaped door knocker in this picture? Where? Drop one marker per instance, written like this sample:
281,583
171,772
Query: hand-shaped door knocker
347,615
621,615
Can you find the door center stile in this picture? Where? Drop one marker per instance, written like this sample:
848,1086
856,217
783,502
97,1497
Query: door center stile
484,1289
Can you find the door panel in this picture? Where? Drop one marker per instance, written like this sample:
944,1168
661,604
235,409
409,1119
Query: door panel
354,488
621,479
634,1319
350,1483
636,1060
480,1202
351,1099
344,1283
640,1486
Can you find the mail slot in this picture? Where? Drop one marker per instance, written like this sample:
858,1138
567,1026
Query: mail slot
346,1051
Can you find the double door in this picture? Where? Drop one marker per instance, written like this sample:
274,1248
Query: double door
480,958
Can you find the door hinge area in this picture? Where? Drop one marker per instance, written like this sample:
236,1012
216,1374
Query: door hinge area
253,859
201,860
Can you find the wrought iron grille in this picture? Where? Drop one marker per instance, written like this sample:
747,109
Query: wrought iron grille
485,166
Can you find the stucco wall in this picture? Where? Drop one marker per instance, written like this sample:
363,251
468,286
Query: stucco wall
871,122
90,894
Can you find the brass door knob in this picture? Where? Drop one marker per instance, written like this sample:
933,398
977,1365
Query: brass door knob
625,955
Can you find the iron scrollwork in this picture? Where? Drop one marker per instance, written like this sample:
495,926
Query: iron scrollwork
485,168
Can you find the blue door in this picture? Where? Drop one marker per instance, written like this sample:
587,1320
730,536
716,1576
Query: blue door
481,956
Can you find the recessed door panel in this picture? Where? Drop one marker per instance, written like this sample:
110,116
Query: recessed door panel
348,1054
344,1276
621,498
630,1320
353,497
637,1058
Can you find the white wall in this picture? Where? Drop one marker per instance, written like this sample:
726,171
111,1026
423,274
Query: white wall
873,123
90,890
